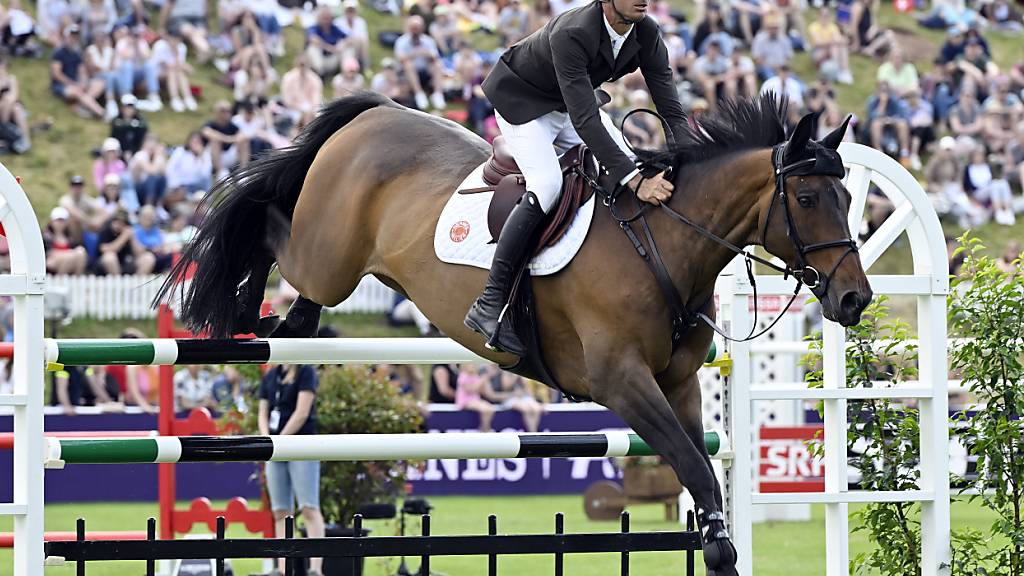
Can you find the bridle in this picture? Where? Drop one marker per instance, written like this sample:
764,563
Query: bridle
805,274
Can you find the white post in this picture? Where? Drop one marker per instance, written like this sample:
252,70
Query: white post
837,553
934,415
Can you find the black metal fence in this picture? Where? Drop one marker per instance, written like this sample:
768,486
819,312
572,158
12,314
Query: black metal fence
357,547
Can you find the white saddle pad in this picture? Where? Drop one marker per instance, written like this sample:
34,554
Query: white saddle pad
462,237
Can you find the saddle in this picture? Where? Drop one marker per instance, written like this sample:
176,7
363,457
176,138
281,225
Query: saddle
503,177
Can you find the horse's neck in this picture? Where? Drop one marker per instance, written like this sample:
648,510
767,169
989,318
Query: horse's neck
729,202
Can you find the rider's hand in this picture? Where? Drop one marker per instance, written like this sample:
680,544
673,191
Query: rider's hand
653,190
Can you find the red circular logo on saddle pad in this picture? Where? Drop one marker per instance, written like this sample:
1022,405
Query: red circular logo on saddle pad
459,231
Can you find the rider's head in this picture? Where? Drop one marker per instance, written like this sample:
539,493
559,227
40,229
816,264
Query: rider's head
629,11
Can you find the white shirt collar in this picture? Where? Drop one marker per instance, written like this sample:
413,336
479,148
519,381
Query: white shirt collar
617,39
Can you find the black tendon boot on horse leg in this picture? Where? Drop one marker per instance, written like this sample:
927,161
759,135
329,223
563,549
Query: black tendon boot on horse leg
514,245
302,321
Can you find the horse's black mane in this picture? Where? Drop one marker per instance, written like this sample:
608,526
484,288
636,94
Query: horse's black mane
745,124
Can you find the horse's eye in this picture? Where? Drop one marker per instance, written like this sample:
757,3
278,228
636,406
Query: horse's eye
805,201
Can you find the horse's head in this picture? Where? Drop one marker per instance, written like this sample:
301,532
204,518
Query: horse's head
806,222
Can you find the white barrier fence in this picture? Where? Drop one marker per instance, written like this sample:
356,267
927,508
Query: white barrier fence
131,297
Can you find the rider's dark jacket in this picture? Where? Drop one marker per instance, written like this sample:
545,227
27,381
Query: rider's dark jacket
559,66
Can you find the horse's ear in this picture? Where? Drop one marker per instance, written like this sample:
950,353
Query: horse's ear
835,137
801,134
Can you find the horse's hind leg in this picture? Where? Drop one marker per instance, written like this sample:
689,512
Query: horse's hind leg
627,387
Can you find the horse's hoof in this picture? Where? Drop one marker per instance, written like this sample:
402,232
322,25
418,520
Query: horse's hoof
266,325
720,557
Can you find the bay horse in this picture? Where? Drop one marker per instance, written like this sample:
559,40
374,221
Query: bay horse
361,190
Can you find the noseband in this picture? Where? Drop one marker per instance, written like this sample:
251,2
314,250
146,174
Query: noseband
805,274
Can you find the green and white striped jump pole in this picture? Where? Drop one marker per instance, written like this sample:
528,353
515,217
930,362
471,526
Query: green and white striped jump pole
166,351
355,447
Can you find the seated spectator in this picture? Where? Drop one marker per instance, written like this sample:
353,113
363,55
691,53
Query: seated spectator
112,199
1014,161
137,384
748,16
129,128
18,32
513,23
180,233
148,168
325,44
975,69
86,217
1002,16
643,131
133,64
405,312
229,391
1009,260
743,72
472,392
14,128
302,91
68,78
349,81
784,84
997,125
887,117
865,36
190,167
898,73
954,46
445,31
388,82
510,390
944,177
712,28
468,69
771,48
135,17
357,34
97,19
922,126
170,55
227,146
120,252
193,388
149,235
187,18
64,253
821,100
829,47
984,182
248,42
77,386
253,126
109,162
965,119
420,59
713,72
99,64
443,379
254,83
1002,95
541,14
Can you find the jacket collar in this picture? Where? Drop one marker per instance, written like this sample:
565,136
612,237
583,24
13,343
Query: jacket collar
629,48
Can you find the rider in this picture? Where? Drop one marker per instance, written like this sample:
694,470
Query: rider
543,92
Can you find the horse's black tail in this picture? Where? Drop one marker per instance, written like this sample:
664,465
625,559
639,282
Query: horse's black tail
235,245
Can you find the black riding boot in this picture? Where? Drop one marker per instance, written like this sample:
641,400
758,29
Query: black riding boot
514,245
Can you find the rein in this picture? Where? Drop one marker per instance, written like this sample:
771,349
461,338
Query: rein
682,318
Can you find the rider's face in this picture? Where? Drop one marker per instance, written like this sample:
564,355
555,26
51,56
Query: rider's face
632,10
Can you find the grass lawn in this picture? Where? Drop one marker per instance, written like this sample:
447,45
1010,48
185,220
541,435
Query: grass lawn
783,549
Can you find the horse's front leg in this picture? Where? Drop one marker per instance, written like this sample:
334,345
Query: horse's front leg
624,383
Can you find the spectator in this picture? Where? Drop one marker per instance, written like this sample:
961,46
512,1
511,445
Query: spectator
97,19
77,386
170,58
713,72
887,118
1014,161
13,116
712,28
227,146
468,69
19,32
302,91
443,379
1002,16
898,73
975,69
356,31
193,388
85,214
111,199
954,46
511,391
1009,261
253,126
253,84
388,82
99,64
247,40
821,99
149,235
180,233
865,36
421,61
513,23
784,84
120,252
325,44
829,45
560,6
922,126
349,81
229,391
747,16
743,72
133,64
404,312
187,18
542,13
445,31
109,162
997,125
965,119
129,128
771,48
53,17
68,78
148,168
189,167
64,254
945,184
472,393
288,406
984,182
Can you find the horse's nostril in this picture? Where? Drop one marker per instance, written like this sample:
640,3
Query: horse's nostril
851,302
